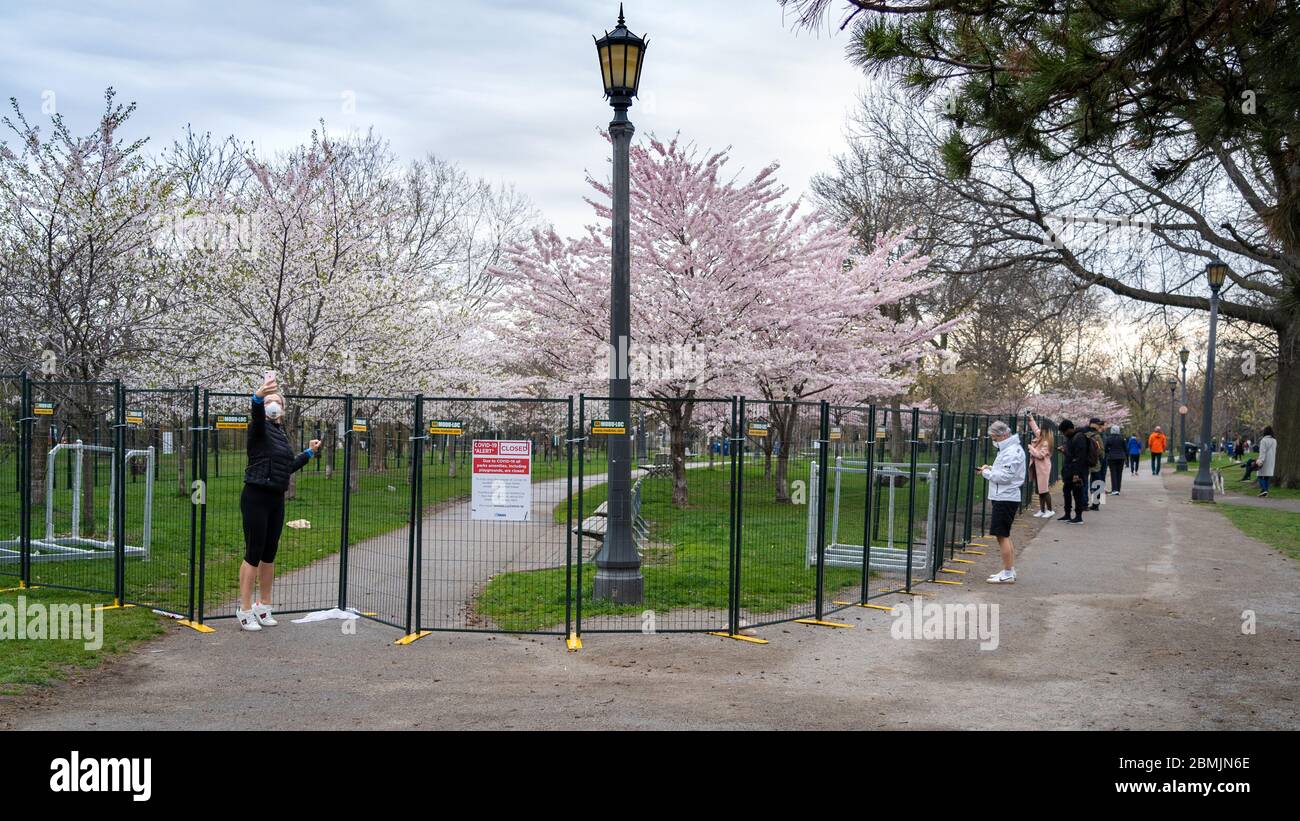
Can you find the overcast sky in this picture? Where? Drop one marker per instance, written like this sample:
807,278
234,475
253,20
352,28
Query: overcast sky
508,89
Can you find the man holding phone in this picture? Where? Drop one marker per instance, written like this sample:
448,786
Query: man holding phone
1005,477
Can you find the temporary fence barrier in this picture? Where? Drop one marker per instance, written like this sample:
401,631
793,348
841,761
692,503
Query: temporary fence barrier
490,514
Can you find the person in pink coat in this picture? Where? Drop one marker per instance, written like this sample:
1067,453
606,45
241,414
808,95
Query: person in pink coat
1040,455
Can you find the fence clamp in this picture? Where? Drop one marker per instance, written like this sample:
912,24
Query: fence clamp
579,439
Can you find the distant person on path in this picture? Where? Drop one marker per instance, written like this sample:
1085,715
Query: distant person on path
1005,477
1040,453
1096,463
271,460
1156,444
1116,455
1134,453
1074,470
1267,459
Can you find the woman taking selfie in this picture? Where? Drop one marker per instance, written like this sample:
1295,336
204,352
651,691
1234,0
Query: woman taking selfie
271,460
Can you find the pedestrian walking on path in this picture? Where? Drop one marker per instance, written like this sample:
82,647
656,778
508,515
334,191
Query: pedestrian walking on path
1074,470
1156,444
1134,453
1005,477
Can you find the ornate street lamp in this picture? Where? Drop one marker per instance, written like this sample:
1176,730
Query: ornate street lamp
1203,487
618,567
1181,465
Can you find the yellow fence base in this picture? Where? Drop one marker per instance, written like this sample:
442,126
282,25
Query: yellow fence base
411,638
740,637
573,642
941,581
872,606
116,605
822,623
195,626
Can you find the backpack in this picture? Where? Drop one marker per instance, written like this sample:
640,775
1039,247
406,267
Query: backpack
1095,451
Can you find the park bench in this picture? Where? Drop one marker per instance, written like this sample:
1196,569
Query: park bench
661,466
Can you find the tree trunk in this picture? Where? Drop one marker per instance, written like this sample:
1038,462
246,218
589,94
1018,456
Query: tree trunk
1286,408
784,422
679,412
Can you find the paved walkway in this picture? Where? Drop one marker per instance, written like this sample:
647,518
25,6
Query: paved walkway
1132,620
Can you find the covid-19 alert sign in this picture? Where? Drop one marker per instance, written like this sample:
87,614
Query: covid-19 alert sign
502,485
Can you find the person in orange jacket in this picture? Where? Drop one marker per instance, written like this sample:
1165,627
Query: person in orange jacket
1156,443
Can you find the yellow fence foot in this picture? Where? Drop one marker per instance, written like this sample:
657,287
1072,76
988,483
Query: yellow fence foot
116,605
872,606
822,623
411,638
951,570
941,581
20,586
978,544
973,552
963,561
740,637
197,627
573,642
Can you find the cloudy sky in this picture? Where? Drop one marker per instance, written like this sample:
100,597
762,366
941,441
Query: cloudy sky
508,89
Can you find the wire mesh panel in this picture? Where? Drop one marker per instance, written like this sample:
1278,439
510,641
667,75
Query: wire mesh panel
681,521
307,560
71,465
380,552
160,519
493,547
778,545
11,477
850,463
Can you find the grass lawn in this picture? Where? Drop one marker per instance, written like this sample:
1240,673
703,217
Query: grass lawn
35,662
686,563
1279,528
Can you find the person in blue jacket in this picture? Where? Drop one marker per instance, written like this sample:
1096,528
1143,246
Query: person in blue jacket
1134,454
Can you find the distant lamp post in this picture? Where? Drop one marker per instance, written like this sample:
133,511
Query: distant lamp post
1181,465
1203,488
618,567
1173,388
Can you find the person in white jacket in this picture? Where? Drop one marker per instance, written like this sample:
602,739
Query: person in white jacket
1267,460
1005,477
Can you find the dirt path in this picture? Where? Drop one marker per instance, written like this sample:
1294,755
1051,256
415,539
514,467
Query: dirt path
1131,621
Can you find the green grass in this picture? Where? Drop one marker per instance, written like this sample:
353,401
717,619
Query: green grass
1279,528
687,563
35,662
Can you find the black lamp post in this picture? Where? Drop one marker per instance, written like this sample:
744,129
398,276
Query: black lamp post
1181,465
1203,487
618,567
1173,387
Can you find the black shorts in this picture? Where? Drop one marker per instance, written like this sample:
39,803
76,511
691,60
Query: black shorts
1003,514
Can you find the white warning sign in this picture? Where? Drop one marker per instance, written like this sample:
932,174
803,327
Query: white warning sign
502,485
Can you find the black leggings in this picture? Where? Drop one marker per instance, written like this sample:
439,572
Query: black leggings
1133,460
1116,473
263,510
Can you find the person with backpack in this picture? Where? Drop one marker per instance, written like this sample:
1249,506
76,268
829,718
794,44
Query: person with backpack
1156,444
1134,453
1096,462
1074,470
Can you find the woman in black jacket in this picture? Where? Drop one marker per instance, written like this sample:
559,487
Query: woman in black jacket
271,460
1116,455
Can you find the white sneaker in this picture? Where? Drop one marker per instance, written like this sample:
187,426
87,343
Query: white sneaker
264,617
1004,577
247,620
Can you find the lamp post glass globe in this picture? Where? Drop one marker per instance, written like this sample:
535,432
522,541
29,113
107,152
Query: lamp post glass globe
1180,466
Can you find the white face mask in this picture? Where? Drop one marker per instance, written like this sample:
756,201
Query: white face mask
274,410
